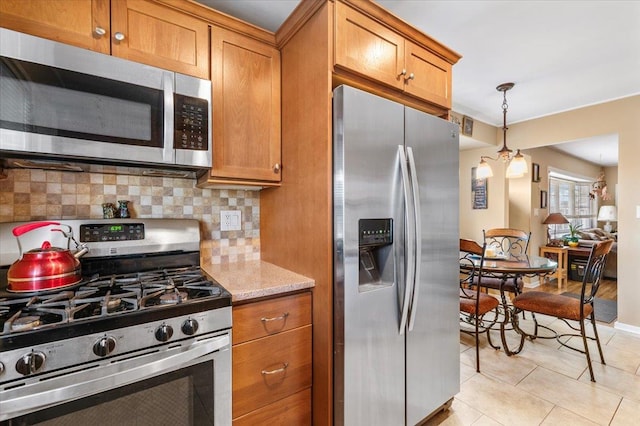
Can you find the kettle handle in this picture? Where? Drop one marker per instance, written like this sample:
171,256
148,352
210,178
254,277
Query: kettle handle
23,229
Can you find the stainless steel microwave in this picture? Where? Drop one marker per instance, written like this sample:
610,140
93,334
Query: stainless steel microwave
63,103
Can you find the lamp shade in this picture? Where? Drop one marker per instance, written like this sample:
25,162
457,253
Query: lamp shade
555,219
517,167
484,170
609,213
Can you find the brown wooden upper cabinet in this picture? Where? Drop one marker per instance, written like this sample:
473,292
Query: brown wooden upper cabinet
374,51
246,111
137,30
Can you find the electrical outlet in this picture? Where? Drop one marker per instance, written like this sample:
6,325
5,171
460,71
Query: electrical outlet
230,220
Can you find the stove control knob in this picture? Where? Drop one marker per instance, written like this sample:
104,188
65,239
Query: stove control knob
189,327
164,333
31,363
104,346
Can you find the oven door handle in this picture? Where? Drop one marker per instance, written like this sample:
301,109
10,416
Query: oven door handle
45,393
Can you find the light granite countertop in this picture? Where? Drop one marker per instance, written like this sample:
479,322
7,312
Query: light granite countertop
256,278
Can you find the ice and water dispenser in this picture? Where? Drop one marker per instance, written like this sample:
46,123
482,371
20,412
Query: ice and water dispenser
375,243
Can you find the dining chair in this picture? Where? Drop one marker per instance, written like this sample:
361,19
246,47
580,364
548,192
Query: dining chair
569,308
508,240
474,304
513,242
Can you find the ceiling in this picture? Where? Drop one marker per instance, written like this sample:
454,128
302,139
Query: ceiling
561,54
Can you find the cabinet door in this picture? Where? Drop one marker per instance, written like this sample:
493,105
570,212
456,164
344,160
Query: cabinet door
246,108
159,36
368,48
431,75
79,23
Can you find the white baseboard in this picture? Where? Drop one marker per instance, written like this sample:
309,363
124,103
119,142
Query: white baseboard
531,282
626,327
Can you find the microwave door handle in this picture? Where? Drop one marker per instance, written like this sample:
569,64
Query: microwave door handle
168,85
418,237
409,244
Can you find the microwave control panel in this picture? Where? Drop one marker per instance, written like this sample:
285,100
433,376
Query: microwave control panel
191,130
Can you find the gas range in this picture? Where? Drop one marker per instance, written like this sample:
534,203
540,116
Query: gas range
142,288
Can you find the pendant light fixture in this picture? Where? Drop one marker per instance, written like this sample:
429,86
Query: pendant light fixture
517,164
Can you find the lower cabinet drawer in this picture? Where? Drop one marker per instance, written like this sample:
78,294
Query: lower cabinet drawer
271,368
272,316
292,410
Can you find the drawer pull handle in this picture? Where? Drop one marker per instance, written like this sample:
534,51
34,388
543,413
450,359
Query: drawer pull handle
281,317
277,370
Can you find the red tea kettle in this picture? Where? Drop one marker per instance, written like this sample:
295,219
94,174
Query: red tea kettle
45,268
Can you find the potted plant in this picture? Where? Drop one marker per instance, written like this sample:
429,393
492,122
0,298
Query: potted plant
574,237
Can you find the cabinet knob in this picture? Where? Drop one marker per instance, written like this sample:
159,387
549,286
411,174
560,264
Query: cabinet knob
276,168
118,36
99,31
403,72
410,77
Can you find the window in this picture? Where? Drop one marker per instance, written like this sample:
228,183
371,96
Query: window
572,199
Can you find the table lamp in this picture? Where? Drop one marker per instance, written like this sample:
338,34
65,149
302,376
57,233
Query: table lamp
554,219
610,214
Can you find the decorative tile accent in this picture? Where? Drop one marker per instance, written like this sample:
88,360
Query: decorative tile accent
27,195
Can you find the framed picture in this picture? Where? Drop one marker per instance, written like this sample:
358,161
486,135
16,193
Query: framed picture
467,126
478,191
543,199
535,175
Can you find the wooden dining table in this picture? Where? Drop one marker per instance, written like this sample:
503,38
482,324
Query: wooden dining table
514,267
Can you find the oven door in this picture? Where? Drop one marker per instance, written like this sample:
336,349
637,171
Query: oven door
179,386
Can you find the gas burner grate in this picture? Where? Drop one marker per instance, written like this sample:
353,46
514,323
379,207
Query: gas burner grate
35,315
96,303
106,296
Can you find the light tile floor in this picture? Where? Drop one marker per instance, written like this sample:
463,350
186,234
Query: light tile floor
548,384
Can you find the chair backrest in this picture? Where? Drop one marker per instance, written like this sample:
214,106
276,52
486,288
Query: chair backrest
507,240
471,261
594,269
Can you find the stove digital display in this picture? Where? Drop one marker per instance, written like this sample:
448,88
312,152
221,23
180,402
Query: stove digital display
94,233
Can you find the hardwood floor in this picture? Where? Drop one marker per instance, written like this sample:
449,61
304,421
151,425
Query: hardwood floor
608,288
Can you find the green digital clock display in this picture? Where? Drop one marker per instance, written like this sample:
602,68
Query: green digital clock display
95,232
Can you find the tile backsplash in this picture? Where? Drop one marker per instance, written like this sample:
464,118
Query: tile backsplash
27,195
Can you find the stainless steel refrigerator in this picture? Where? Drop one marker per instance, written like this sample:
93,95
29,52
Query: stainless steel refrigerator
396,347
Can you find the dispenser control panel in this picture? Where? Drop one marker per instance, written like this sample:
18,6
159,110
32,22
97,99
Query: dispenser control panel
375,232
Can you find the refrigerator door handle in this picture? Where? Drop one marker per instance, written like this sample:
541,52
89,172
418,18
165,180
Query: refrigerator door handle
410,243
415,189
